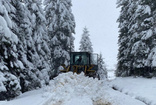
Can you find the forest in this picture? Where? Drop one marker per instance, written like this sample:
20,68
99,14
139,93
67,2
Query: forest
36,37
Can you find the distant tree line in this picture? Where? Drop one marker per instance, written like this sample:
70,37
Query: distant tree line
137,38
35,38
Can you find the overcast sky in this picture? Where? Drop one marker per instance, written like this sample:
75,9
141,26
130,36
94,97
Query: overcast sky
99,16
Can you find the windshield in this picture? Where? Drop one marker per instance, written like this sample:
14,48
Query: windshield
80,59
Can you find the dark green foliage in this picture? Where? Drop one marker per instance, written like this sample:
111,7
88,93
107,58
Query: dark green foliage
24,47
61,26
137,38
29,41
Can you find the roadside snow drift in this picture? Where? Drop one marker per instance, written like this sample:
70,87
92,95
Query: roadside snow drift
142,89
73,89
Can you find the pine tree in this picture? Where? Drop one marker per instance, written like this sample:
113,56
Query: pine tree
124,55
141,43
27,52
9,63
102,71
40,39
85,43
60,24
151,25
135,39
26,48
23,31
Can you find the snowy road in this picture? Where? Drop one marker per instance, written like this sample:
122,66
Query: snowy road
69,89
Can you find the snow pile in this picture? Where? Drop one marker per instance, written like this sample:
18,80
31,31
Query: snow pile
68,88
139,88
73,89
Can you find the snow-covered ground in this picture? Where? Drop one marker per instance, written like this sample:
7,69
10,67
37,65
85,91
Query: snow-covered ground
69,89
111,74
142,89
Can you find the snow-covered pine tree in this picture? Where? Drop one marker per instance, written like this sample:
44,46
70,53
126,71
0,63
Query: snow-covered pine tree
9,63
124,56
136,18
140,28
40,40
31,76
61,26
85,42
23,30
150,24
102,71
18,18
26,48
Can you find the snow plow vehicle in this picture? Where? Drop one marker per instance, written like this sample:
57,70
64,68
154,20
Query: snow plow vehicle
82,62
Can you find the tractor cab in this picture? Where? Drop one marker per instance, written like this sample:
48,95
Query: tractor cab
79,58
82,62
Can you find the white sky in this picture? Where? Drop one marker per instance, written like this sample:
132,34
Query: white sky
100,17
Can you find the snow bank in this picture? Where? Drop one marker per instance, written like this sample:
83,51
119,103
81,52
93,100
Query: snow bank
139,88
73,89
68,88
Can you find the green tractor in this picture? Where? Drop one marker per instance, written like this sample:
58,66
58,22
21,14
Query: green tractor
82,62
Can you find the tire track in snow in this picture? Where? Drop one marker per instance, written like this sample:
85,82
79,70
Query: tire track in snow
137,98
